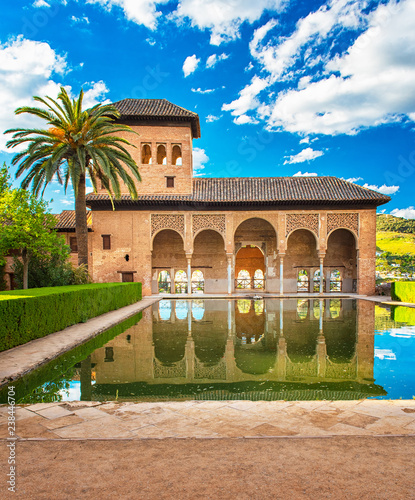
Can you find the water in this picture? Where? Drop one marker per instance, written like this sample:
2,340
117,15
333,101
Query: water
217,349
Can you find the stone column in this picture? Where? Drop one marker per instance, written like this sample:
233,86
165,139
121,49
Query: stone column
189,273
321,273
229,256
281,274
172,282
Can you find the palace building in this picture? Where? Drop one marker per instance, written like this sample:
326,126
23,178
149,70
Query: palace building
222,235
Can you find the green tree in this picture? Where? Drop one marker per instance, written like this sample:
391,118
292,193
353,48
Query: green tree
26,226
77,144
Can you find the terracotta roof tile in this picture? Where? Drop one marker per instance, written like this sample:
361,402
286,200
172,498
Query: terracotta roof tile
263,191
66,220
158,109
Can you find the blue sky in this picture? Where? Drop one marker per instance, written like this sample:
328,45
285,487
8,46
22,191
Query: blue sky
281,87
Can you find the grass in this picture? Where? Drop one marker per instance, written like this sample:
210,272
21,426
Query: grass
395,243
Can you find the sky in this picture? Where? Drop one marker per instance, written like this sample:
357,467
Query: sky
281,87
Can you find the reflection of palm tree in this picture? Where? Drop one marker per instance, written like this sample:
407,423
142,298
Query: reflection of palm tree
78,144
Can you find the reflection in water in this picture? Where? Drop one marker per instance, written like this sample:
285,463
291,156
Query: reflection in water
255,349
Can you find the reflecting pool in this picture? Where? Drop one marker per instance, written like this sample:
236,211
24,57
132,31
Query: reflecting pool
216,349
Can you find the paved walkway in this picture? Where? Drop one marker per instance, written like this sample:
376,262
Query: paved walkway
211,419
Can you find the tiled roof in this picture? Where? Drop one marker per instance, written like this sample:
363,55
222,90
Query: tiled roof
65,221
245,191
158,109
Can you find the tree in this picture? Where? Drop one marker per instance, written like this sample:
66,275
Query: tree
26,226
77,144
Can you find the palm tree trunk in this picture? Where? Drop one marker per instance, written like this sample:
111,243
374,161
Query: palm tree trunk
25,259
81,223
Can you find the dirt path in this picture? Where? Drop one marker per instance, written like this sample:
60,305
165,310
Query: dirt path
282,468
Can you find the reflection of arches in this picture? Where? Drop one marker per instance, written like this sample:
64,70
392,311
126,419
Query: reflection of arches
303,284
181,309
244,305
164,282
146,154
302,308
341,256
198,282
198,309
180,282
165,310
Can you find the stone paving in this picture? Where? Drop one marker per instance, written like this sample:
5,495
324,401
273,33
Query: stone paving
211,419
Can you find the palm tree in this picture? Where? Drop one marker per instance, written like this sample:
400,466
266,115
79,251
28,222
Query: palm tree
77,143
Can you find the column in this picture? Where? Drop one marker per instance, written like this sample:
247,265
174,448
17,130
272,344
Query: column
281,274
229,256
189,273
321,274
172,282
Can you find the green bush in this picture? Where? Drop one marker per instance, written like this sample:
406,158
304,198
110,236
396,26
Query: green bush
33,313
404,291
402,314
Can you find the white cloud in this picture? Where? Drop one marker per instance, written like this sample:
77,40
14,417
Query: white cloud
190,65
203,91
369,84
95,94
382,189
247,99
199,160
83,19
354,179
138,11
307,154
406,213
305,174
306,140
211,118
224,17
40,3
385,354
214,59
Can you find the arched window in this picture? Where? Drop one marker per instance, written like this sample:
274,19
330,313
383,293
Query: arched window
302,308
244,306
181,309
258,279
302,281
198,282
198,309
165,310
161,155
244,279
164,282
180,281
335,281
146,154
176,157
316,281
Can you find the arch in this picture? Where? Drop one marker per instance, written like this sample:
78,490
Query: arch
160,231
198,281
164,282
161,155
209,229
301,254
341,255
355,236
168,254
180,282
256,222
176,155
303,281
243,280
209,256
146,154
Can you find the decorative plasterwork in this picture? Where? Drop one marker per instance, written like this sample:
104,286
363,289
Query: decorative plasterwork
215,222
301,221
343,220
163,221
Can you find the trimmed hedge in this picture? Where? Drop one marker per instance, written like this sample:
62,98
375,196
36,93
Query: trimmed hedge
57,368
404,291
31,314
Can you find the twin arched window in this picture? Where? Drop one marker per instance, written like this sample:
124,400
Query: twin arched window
176,154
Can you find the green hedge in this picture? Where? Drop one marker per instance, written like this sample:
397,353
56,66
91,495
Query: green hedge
404,291
403,314
32,314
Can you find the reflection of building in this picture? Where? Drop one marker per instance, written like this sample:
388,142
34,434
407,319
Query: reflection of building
182,234
235,342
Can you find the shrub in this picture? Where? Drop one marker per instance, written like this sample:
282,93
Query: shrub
404,291
403,314
34,313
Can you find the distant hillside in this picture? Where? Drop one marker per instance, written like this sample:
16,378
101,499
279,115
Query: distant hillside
392,224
